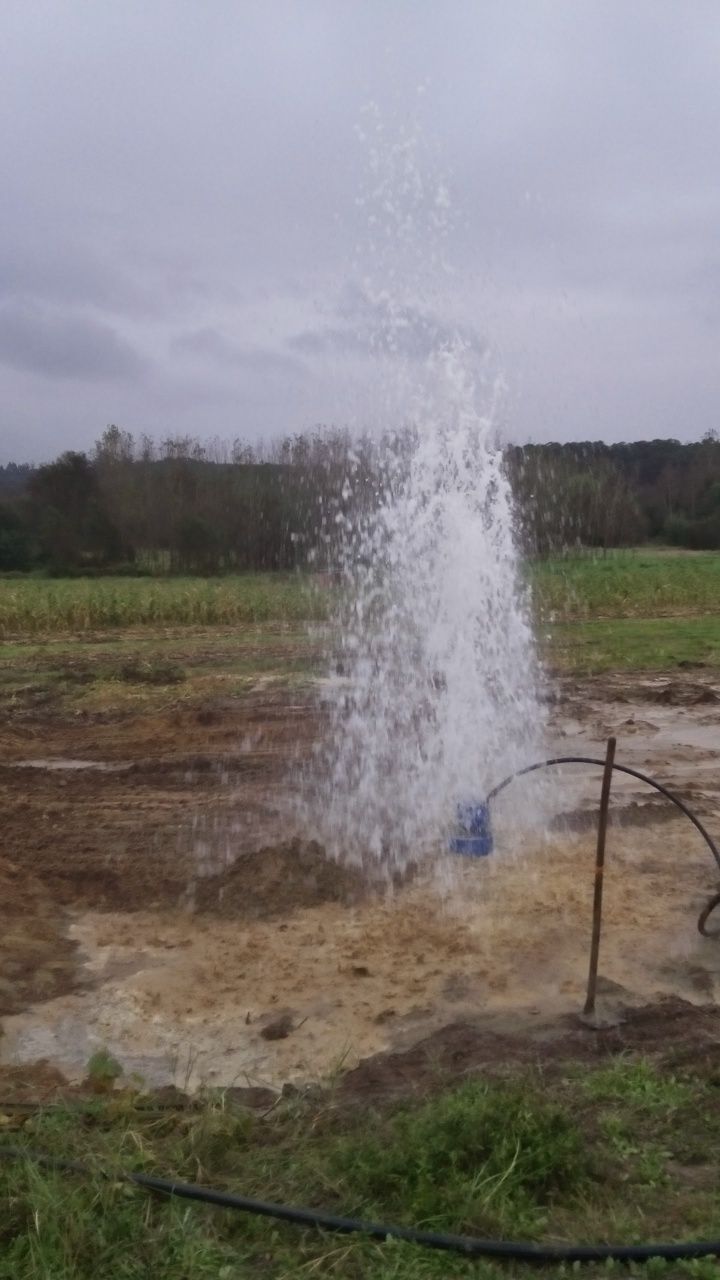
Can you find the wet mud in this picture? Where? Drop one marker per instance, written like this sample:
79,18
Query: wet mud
154,898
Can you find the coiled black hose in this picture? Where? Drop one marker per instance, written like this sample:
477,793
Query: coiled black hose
643,777
470,1246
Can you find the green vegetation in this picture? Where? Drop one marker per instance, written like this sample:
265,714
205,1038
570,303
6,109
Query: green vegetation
483,1160
617,585
41,606
180,506
593,494
628,584
622,611
633,644
626,1152
629,610
102,1071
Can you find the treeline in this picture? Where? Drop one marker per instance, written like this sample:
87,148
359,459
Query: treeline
608,495
178,506
182,506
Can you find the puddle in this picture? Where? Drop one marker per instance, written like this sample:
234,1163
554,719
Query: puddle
676,746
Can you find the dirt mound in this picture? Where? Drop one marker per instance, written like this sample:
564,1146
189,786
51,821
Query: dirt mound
277,880
633,725
679,1031
680,693
37,960
671,689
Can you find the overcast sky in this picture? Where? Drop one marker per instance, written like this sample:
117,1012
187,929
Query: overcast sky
183,247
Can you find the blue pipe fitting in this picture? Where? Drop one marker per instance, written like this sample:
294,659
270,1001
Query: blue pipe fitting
475,837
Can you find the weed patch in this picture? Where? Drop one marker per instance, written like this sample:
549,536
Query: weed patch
478,1159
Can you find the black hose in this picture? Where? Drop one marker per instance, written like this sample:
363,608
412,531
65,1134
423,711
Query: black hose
643,777
705,913
506,1250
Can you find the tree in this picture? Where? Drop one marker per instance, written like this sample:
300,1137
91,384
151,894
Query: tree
197,546
15,547
68,515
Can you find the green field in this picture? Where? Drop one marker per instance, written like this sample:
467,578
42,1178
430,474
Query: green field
632,644
629,611
626,610
625,1152
628,584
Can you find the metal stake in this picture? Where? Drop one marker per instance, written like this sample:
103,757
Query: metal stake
589,1009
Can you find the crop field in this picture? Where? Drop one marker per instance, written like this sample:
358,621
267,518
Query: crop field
41,606
641,584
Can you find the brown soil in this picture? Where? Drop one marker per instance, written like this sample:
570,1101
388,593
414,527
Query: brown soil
679,693
670,1029
676,1033
129,837
37,959
32,1083
277,880
162,906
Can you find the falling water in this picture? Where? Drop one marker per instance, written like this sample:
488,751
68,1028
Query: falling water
435,696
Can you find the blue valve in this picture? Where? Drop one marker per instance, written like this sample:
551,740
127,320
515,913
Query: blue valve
474,838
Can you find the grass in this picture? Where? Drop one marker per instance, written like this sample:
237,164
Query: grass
479,1159
628,584
624,1152
629,611
632,644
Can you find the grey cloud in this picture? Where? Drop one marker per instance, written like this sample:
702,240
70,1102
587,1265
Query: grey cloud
180,190
54,345
62,274
381,326
209,345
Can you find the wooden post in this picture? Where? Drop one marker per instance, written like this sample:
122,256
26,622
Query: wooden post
589,1009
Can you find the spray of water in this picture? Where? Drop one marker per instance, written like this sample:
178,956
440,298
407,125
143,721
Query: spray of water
435,695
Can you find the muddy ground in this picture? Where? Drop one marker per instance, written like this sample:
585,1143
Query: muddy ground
154,898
